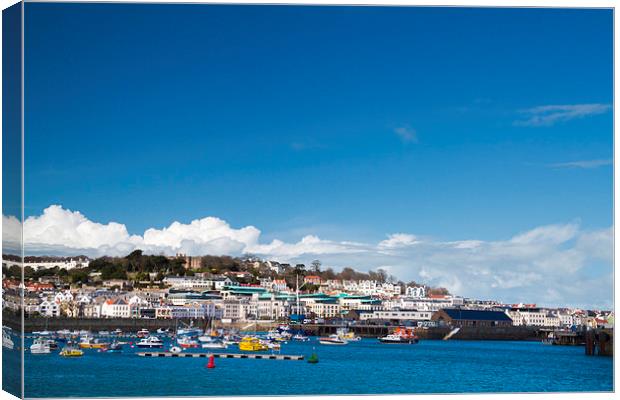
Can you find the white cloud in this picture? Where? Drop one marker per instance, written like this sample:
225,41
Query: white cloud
554,264
585,164
398,240
551,114
407,134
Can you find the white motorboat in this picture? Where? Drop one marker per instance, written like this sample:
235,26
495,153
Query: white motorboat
300,338
398,339
143,333
333,340
40,346
7,342
216,344
150,342
175,349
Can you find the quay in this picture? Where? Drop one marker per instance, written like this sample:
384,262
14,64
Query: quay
600,342
221,355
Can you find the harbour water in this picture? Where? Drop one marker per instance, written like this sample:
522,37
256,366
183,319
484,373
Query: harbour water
364,367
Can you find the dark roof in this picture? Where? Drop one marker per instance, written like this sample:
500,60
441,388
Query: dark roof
476,315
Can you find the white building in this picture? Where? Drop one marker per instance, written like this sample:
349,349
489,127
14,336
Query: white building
198,283
401,315
415,291
49,308
275,267
324,309
49,263
116,308
64,296
527,316
431,303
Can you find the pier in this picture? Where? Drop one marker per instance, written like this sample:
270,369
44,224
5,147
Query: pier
600,342
221,355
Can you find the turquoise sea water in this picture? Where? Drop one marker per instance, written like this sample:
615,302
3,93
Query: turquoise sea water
365,367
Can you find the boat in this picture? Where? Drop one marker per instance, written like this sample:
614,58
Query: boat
187,343
300,338
252,344
42,333
143,333
191,331
71,352
273,345
345,334
7,342
162,331
401,335
115,347
232,339
117,332
150,343
89,342
52,344
40,346
206,339
333,340
175,349
215,344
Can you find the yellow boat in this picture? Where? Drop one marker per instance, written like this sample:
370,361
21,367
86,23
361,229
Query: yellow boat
67,352
88,343
252,344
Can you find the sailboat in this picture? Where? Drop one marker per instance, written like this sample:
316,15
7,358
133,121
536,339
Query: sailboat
299,336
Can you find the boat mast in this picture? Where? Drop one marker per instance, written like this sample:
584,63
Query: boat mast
297,291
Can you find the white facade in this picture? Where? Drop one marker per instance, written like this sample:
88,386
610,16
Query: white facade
197,283
324,309
402,315
369,288
527,317
415,291
49,308
429,304
63,297
117,308
62,264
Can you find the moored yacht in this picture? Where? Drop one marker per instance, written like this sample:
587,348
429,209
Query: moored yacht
150,343
143,333
333,340
40,346
7,341
187,343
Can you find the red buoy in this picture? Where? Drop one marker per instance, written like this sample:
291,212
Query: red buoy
211,363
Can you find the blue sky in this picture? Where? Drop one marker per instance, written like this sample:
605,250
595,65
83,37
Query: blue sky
348,123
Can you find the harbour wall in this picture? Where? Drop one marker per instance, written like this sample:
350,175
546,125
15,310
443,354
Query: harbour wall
437,333
372,331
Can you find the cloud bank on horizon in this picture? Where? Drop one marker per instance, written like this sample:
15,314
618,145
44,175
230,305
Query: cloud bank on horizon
551,265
